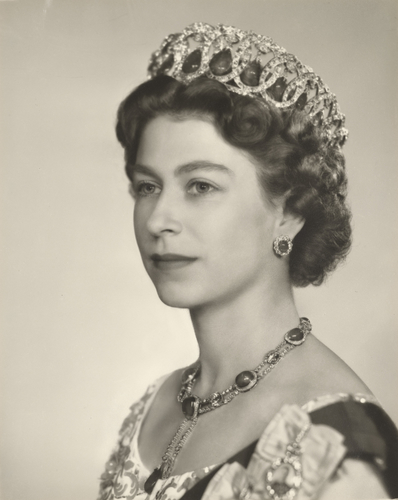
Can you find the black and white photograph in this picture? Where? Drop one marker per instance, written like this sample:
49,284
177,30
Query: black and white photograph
198,252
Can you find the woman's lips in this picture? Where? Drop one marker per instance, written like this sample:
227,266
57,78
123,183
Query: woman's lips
168,261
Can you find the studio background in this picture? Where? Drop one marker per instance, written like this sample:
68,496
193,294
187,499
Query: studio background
83,331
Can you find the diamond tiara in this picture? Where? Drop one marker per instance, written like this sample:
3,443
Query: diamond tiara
253,65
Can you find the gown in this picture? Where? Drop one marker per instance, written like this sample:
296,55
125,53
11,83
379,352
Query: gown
300,450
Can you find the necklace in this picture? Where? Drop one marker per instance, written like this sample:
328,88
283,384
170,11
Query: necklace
192,406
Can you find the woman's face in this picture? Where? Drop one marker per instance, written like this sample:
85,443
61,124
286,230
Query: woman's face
202,223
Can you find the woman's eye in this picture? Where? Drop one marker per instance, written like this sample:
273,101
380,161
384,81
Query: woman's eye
147,189
200,187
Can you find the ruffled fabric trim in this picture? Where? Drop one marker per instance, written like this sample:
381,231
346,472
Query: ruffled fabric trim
300,474
329,399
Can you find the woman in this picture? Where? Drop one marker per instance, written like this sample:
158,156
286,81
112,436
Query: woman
233,150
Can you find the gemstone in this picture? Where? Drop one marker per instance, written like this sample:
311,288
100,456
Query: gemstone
183,394
166,64
221,63
301,101
192,62
278,88
190,407
152,480
189,374
273,358
199,37
246,380
283,246
216,399
294,336
284,478
251,74
318,118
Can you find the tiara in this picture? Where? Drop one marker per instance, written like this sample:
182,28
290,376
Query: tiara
252,65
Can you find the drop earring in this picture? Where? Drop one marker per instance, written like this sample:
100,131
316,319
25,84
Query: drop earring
283,245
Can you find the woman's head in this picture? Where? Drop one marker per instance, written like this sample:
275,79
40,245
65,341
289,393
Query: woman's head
293,164
203,224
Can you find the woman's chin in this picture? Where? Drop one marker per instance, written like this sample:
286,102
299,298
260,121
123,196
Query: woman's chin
173,297
175,301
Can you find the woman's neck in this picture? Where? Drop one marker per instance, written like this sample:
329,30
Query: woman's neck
234,336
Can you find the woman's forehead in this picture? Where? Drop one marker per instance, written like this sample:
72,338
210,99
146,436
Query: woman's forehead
182,135
190,142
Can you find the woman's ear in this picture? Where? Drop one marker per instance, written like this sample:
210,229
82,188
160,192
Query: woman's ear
288,223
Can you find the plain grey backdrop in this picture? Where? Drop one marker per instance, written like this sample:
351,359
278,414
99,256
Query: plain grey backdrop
83,331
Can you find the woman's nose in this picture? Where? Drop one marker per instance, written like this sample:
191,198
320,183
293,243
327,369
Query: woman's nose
165,217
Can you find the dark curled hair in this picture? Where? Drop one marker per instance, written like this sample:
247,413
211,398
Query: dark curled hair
292,160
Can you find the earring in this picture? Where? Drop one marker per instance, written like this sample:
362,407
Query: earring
283,245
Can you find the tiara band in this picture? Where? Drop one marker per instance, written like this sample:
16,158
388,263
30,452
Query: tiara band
254,65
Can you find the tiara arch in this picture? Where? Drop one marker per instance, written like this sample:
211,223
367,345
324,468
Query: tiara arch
253,65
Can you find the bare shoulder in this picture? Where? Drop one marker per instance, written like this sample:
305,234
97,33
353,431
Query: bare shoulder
319,371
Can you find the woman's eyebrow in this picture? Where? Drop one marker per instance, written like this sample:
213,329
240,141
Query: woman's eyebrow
143,169
202,165
182,169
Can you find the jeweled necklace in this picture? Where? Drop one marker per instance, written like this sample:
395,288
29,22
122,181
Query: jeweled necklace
193,406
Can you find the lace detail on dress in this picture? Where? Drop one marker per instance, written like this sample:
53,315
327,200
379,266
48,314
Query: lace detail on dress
125,474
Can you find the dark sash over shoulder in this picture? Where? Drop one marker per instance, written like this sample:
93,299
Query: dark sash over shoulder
369,433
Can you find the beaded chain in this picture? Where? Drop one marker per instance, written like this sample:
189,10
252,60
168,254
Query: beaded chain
193,406
247,379
176,445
